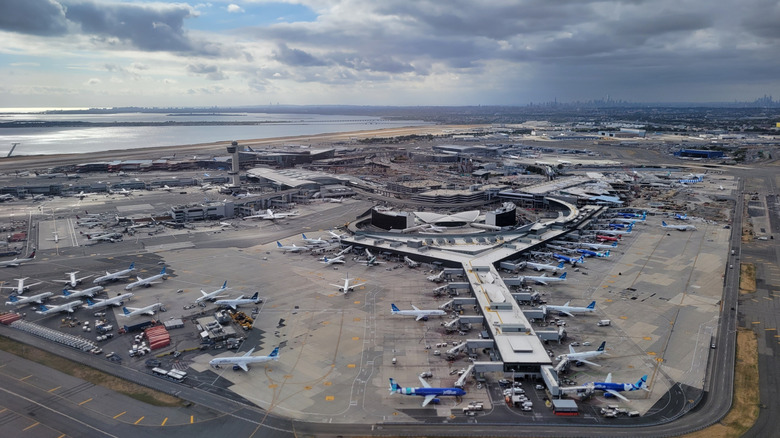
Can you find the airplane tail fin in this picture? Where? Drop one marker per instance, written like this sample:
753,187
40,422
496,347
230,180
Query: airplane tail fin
163,270
663,223
90,302
614,243
224,285
606,254
561,264
32,255
601,347
125,311
304,236
642,383
13,298
395,308
393,386
278,244
563,276
592,305
274,354
132,265
43,308
65,292
644,215
254,297
581,259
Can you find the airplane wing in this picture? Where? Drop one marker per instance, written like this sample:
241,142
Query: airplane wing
540,281
337,285
423,382
415,307
232,306
567,313
243,366
428,399
617,394
355,286
419,317
587,362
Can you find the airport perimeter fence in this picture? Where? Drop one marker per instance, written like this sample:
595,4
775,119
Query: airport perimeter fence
72,341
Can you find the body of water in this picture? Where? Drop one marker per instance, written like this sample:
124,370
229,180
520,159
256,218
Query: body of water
72,140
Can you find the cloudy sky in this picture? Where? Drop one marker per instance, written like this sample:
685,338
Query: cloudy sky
86,53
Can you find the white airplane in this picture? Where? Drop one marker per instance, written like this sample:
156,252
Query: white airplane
613,232
6,197
410,262
56,238
20,287
235,302
417,313
148,282
581,357
598,245
73,281
570,310
90,292
133,311
212,296
344,251
371,259
115,275
291,248
17,261
67,307
346,287
437,278
336,235
544,279
243,361
167,189
721,188
116,301
108,237
316,242
270,215
546,267
327,261
678,227
122,191
16,301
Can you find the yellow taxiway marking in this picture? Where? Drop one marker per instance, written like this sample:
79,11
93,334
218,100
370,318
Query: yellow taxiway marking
139,420
119,415
63,435
54,389
756,322
31,426
329,398
3,410
192,419
327,383
352,365
768,298
85,401
273,385
647,338
771,329
25,378
164,421
623,317
355,338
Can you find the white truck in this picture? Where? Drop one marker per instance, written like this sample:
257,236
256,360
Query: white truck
604,323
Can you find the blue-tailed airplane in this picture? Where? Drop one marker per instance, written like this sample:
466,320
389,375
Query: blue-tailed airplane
598,245
682,217
544,279
610,389
241,362
636,216
545,267
430,393
589,253
570,310
620,226
568,259
417,313
678,227
90,292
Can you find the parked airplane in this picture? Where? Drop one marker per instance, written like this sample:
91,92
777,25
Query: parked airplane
635,216
624,220
56,238
16,301
115,301
615,226
167,189
270,215
603,238
560,248
148,282
235,302
316,242
581,357
115,275
410,262
617,233
546,267
682,217
6,197
73,281
540,254
678,227
17,261
568,259
589,253
133,311
609,388
371,259
430,393
339,259
346,287
212,296
108,237
20,287
242,361
598,245
544,279
336,235
690,181
291,248
90,292
122,191
417,313
67,307
570,310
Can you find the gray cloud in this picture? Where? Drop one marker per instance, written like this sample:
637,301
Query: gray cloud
295,57
34,17
212,72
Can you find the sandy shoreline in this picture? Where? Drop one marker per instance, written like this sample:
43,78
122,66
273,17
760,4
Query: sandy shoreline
28,162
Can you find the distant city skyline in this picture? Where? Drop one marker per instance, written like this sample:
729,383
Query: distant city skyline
95,53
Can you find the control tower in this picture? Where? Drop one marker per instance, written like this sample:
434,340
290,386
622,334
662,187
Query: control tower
233,151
